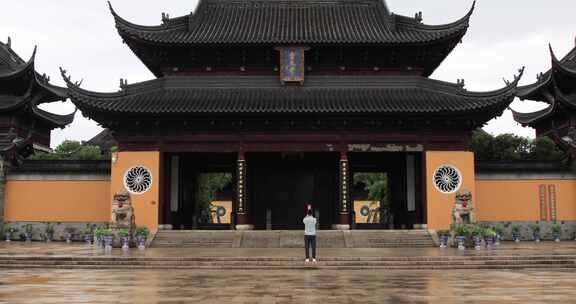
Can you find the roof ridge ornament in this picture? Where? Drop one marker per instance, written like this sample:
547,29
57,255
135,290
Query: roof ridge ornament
165,18
461,83
9,42
123,83
516,78
418,17
540,77
68,80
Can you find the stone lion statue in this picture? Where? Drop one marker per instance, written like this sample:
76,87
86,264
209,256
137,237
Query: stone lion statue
463,210
122,212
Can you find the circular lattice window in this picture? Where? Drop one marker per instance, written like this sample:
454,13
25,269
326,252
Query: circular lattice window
447,179
138,180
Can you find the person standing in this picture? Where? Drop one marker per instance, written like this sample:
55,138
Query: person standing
310,235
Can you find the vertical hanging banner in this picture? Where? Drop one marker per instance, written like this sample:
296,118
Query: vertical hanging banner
292,64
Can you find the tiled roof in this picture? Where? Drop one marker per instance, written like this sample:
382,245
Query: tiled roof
22,87
555,87
291,21
254,95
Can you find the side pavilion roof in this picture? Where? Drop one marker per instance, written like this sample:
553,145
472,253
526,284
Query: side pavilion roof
555,87
22,88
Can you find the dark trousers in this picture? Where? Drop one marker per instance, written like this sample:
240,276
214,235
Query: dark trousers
310,243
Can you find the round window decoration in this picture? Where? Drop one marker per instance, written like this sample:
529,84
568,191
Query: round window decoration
138,180
447,179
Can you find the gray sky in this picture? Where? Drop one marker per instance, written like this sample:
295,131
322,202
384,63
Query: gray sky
80,36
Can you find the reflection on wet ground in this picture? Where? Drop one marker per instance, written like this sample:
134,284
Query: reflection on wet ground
327,287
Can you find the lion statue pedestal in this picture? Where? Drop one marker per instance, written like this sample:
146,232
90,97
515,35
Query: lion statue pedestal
463,211
122,212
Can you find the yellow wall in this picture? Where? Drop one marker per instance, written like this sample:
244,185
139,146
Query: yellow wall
519,200
57,201
146,205
439,205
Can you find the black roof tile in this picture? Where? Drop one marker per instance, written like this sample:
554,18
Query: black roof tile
235,95
291,21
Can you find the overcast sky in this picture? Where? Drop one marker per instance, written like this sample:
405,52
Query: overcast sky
80,36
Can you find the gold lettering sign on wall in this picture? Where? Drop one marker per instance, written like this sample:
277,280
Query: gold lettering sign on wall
552,202
542,199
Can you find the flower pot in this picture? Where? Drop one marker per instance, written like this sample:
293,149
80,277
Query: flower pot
489,242
108,240
516,238
497,240
444,241
141,242
536,237
28,237
460,240
125,243
8,236
477,242
88,239
556,237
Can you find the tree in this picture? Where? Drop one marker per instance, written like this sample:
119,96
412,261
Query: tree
510,147
376,184
545,149
71,150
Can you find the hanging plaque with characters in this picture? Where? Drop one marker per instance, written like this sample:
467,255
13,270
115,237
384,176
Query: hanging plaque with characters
292,64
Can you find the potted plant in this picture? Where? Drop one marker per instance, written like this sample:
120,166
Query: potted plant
89,234
516,233
556,232
535,232
49,232
141,236
108,237
443,236
9,230
489,237
28,231
462,233
99,237
69,234
124,235
477,234
499,229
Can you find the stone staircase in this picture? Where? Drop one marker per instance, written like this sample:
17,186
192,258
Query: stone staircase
274,263
194,239
292,239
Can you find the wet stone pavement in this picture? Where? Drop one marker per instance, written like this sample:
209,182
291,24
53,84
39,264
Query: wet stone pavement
285,286
329,287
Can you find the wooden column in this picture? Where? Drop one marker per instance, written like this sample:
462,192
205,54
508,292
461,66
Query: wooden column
242,217
343,220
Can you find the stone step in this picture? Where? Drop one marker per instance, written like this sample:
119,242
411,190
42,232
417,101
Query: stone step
293,239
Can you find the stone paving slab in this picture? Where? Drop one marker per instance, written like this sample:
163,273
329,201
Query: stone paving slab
286,287
80,249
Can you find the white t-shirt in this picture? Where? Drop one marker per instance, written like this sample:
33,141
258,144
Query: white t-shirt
309,225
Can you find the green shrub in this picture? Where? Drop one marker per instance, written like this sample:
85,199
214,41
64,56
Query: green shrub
556,228
124,233
516,229
442,233
142,231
